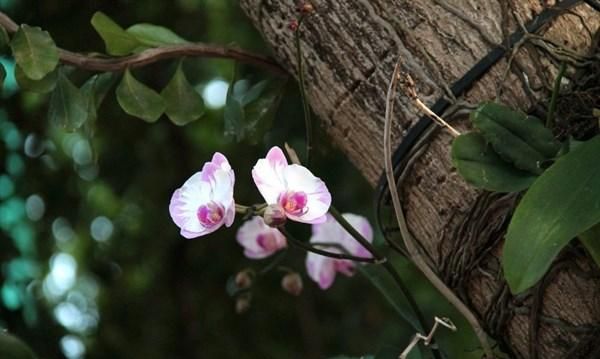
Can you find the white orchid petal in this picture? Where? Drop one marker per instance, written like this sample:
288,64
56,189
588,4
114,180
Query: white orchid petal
320,269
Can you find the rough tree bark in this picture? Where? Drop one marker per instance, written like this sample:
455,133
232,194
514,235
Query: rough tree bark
350,47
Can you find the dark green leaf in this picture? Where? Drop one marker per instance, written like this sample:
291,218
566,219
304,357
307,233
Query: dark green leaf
261,111
98,86
35,51
349,357
67,104
561,204
233,117
13,348
155,36
519,139
385,285
138,100
591,241
44,85
183,103
94,90
479,165
253,93
118,42
239,89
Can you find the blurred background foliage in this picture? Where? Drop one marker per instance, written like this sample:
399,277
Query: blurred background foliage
91,264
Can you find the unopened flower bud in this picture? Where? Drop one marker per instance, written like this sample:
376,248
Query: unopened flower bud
307,8
293,25
292,283
274,215
243,279
242,304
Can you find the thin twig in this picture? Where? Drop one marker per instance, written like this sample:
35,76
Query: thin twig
446,322
305,106
409,88
149,56
411,247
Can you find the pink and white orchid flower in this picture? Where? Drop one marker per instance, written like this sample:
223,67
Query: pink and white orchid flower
323,269
259,240
205,201
304,197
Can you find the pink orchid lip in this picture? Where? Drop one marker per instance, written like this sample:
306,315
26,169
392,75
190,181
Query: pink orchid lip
294,203
267,241
344,266
210,214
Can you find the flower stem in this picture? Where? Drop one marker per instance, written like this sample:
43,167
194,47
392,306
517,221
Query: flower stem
306,108
274,263
307,247
386,265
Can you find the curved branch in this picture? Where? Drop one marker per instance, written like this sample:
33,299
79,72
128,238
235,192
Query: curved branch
149,56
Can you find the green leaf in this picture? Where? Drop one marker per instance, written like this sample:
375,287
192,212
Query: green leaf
12,347
519,139
254,92
561,204
348,357
154,35
479,165
233,117
261,110
67,104
380,279
44,85
98,86
94,90
138,100
118,42
35,51
183,103
250,110
239,89
591,241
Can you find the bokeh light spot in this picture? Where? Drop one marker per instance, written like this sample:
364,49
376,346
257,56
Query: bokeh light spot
101,228
72,347
35,207
215,94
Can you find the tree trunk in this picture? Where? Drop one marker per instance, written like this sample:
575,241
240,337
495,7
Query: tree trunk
350,47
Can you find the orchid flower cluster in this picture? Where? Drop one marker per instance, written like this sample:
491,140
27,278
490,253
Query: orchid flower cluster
205,203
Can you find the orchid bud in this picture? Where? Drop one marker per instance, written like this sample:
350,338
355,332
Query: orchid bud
274,215
293,25
307,8
292,283
242,304
243,279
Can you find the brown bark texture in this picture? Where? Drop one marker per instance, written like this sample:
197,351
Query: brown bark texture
350,47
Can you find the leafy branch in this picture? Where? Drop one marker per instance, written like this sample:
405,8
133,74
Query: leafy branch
152,55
